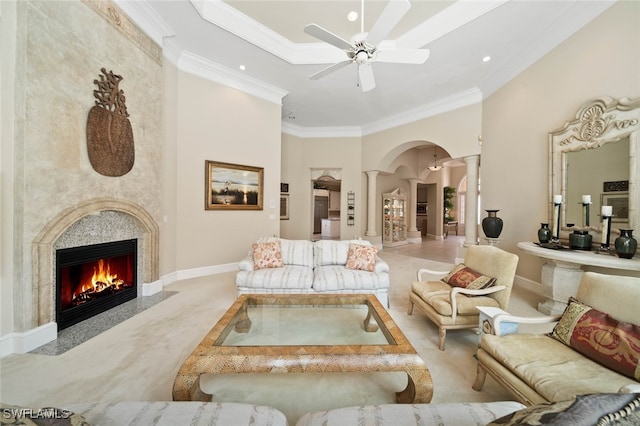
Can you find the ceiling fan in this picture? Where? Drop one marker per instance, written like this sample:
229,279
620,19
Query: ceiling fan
363,50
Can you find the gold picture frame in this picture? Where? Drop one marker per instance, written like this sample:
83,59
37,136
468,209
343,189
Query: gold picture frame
230,186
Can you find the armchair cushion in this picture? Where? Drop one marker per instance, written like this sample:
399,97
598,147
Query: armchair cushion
465,277
438,295
600,337
267,255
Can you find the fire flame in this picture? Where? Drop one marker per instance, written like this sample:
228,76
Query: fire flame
102,278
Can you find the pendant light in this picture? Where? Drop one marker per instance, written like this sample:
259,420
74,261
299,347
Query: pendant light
435,167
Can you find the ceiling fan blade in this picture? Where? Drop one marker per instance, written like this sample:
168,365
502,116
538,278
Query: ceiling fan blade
365,74
320,33
391,15
328,70
402,56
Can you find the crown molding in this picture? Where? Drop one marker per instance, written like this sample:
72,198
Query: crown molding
147,19
450,103
230,19
321,132
209,70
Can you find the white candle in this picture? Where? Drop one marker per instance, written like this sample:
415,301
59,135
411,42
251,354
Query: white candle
586,199
607,210
557,199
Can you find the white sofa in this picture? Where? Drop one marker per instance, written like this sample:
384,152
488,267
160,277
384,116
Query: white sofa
314,267
142,413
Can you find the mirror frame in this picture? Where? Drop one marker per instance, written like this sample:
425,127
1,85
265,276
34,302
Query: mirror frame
600,121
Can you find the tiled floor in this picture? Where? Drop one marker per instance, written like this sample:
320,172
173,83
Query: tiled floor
438,250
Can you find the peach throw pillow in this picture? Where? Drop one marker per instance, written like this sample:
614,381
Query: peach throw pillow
267,255
361,257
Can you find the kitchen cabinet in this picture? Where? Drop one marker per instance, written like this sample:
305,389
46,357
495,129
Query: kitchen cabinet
334,200
331,228
394,227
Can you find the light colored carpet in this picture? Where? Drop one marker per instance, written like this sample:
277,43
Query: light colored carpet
139,358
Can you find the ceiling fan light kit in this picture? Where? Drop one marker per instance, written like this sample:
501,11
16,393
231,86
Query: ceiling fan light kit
362,49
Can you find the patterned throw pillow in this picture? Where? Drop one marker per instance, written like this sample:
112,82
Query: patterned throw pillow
465,277
361,257
602,409
600,337
267,255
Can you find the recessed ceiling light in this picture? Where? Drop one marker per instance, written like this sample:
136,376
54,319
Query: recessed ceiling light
486,59
352,16
242,67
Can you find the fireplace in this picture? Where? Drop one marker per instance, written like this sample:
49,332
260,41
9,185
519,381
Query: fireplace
94,278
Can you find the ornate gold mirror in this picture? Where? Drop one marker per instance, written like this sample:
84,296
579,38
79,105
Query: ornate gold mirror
596,155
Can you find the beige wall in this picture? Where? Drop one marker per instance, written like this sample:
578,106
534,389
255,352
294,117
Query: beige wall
216,122
60,50
603,58
299,157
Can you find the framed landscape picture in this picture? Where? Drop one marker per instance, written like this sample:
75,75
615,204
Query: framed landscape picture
232,186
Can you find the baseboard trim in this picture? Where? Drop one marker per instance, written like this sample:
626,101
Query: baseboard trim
23,342
527,284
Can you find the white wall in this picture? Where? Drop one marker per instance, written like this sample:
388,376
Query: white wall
299,157
216,122
602,58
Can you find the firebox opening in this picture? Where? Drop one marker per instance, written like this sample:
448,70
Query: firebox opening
92,279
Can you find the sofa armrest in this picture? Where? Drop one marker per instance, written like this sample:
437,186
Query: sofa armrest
631,388
381,266
429,272
500,318
246,264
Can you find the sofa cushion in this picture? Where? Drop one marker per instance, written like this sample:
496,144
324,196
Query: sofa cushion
361,257
552,369
333,252
333,278
267,255
600,337
139,413
455,413
463,276
437,295
583,410
287,277
297,252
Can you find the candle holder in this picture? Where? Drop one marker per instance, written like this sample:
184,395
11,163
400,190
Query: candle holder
585,214
555,238
606,234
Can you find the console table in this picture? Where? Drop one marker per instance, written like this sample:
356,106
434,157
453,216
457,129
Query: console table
562,272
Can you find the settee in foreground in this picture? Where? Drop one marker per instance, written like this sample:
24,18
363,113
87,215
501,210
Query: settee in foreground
594,348
585,410
278,265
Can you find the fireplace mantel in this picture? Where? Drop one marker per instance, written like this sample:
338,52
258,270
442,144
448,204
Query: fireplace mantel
562,272
45,244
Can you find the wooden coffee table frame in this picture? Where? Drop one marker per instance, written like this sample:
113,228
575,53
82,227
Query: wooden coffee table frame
209,357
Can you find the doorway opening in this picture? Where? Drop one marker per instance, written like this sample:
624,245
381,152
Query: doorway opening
326,208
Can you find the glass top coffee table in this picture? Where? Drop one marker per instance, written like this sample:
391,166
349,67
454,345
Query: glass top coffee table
295,333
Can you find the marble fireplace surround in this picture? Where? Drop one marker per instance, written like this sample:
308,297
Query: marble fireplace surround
91,222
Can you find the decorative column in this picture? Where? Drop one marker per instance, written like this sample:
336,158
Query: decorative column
471,201
413,235
371,203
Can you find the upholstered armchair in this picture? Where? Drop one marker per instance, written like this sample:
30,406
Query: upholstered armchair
484,279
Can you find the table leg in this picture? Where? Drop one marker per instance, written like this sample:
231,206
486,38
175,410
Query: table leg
187,388
368,326
419,388
243,324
